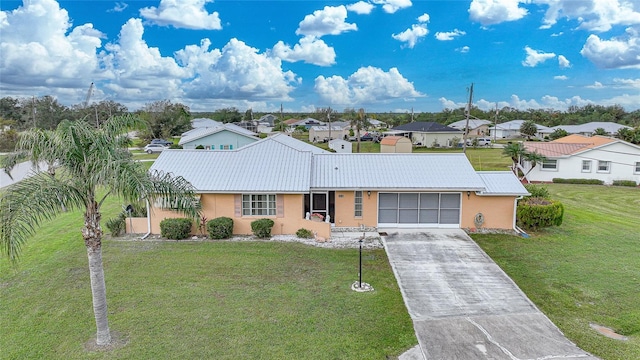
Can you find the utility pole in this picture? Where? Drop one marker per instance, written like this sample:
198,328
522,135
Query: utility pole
329,119
495,124
33,110
466,128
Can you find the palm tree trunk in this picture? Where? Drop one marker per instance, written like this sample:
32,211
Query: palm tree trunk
92,234
99,295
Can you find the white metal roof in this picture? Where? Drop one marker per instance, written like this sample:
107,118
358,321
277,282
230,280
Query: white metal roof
501,183
271,167
204,122
376,171
473,123
294,143
201,132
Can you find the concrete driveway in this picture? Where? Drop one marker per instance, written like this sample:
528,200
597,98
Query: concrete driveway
463,306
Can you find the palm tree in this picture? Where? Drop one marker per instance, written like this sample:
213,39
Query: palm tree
359,122
534,159
515,151
92,164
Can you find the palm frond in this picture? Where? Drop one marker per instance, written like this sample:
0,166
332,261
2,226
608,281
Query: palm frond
27,203
174,190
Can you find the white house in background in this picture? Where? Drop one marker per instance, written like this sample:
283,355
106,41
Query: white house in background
477,127
429,134
341,146
322,133
511,129
204,123
580,157
222,137
588,129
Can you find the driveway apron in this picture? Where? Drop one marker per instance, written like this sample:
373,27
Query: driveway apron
463,306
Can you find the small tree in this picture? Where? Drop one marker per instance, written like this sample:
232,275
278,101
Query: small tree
515,151
558,133
600,131
528,128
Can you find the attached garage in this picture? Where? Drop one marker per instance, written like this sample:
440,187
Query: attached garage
424,209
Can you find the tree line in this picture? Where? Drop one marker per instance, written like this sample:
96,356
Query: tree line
167,119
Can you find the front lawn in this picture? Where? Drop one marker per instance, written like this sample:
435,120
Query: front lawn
585,271
200,300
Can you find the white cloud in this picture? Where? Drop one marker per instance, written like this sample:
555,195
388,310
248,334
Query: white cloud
596,85
447,36
465,49
560,77
616,53
328,21
412,35
563,62
490,12
186,14
118,7
237,71
593,15
38,49
140,72
368,85
361,7
391,6
309,49
628,83
423,18
545,102
535,57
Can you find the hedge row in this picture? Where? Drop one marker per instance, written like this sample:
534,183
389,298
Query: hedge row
578,181
532,215
624,183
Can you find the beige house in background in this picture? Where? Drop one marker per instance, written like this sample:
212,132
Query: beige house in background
287,180
395,144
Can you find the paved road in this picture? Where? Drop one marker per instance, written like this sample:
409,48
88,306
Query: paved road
19,172
463,306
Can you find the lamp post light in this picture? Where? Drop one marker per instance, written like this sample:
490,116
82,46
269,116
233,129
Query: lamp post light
360,265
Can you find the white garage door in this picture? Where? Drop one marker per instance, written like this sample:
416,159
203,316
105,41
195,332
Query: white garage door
419,210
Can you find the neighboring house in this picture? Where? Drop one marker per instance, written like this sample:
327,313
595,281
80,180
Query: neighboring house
377,123
395,144
340,146
476,127
322,133
285,180
580,157
248,125
204,122
511,129
268,119
307,123
223,137
429,134
588,129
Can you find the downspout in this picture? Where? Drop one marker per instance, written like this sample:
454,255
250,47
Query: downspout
148,221
515,211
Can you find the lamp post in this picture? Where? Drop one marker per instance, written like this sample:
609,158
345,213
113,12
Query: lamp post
360,264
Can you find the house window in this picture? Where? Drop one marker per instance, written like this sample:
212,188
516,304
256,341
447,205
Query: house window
604,166
550,165
258,204
358,204
637,170
586,165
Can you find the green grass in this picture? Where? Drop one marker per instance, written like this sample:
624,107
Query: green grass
200,300
585,271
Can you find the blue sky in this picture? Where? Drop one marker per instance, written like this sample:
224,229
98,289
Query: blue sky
381,55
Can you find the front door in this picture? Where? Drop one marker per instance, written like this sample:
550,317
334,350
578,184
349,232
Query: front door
319,203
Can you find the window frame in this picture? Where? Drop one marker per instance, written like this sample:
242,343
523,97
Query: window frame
637,168
548,161
253,205
584,162
608,167
357,206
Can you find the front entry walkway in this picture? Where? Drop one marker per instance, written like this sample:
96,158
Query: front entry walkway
463,306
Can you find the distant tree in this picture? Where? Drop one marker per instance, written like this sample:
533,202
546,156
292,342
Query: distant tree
248,115
600,131
358,121
10,109
558,133
515,151
96,164
43,113
629,135
165,119
528,128
227,115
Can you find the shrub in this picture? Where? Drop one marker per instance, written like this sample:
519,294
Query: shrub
578,181
537,213
537,191
220,228
200,147
117,225
624,183
304,233
176,229
262,227
175,146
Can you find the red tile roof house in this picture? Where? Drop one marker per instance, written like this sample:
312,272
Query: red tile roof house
582,157
286,180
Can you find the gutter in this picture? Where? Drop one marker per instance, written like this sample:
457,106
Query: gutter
148,222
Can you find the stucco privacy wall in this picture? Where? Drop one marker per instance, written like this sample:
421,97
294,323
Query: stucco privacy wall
498,211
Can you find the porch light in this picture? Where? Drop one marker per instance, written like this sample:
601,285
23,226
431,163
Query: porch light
369,194
468,194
